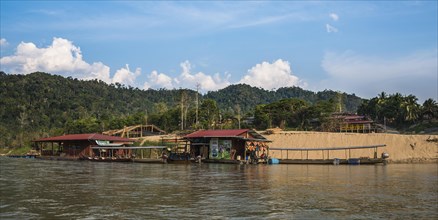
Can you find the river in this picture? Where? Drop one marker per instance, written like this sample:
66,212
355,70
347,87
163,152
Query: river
43,189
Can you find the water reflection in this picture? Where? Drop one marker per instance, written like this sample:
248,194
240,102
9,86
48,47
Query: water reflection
34,189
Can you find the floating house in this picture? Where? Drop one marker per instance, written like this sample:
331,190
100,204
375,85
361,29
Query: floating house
76,146
227,145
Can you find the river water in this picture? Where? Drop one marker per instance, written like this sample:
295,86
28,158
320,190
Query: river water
42,189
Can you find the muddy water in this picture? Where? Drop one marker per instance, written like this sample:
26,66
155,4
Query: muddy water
38,189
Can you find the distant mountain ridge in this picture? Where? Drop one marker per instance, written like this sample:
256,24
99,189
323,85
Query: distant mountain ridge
61,88
248,97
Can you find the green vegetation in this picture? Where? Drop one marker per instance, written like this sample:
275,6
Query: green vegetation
15,150
40,104
294,113
402,112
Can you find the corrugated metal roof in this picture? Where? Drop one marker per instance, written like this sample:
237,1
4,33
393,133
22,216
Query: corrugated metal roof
217,133
83,137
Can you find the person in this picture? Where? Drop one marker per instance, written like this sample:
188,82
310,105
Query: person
263,156
199,159
164,157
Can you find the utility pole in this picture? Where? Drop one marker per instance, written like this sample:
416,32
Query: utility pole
197,104
339,97
182,110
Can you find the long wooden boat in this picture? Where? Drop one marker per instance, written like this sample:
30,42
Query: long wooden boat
335,161
351,161
147,160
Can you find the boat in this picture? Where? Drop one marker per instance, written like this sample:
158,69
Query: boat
335,161
179,158
136,154
147,160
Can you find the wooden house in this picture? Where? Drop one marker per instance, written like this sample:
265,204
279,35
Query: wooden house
220,145
354,123
75,146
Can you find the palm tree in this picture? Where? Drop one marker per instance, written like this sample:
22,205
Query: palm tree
382,97
410,108
429,109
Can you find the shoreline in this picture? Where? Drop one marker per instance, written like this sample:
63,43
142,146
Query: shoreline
402,148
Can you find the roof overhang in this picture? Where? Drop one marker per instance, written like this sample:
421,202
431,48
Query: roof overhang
85,137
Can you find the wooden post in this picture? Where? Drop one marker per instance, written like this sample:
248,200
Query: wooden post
244,155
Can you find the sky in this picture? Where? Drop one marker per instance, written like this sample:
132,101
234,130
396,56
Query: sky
359,47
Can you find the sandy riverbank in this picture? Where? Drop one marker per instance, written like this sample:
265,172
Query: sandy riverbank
401,148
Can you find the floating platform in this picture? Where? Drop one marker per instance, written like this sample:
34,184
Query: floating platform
106,159
222,161
23,156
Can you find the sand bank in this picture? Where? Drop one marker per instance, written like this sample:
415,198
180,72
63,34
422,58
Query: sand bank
401,148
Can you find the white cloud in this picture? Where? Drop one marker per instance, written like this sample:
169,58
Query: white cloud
334,16
331,29
125,76
3,42
367,76
207,82
187,79
271,75
62,58
158,80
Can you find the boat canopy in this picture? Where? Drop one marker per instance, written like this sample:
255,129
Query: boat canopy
108,144
328,148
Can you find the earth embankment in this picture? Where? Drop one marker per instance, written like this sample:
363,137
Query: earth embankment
401,148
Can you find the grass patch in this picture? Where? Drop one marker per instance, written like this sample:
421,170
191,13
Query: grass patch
15,150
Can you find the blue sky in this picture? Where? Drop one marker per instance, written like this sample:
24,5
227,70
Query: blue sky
361,47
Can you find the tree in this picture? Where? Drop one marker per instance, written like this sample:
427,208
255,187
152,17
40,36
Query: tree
208,113
238,114
410,108
429,110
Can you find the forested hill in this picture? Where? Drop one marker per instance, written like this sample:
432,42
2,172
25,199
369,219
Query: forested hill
248,97
41,104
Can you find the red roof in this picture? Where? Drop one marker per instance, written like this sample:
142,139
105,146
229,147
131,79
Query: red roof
84,137
217,133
